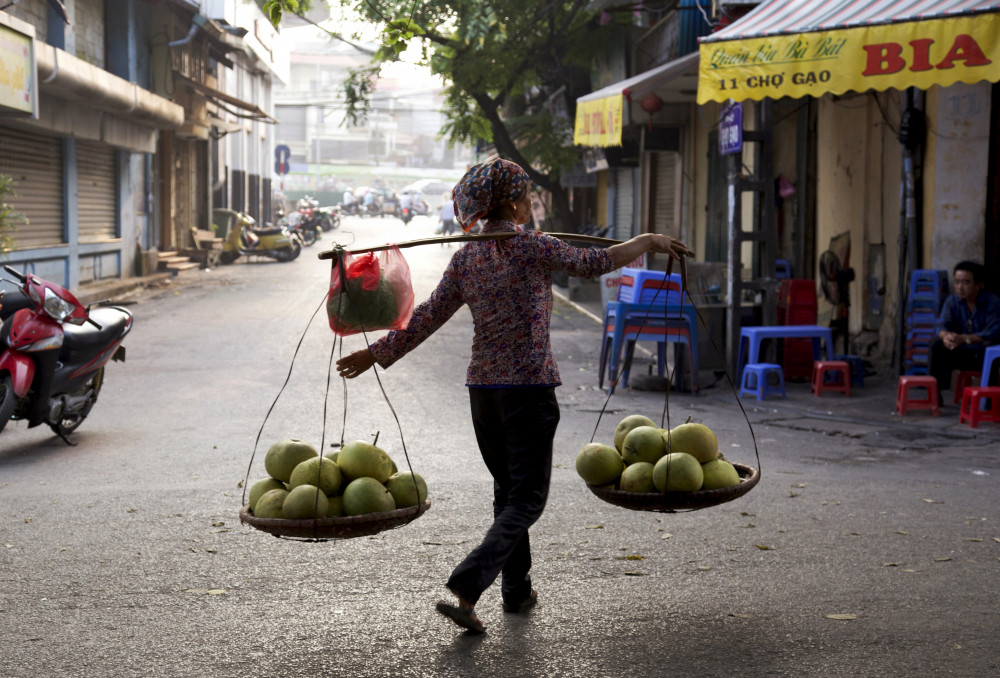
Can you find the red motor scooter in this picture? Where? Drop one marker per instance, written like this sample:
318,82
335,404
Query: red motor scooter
52,355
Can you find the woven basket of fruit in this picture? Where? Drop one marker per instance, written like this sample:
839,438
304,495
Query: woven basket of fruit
345,527
655,469
354,492
670,502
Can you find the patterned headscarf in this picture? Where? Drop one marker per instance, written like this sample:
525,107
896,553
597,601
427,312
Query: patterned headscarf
486,187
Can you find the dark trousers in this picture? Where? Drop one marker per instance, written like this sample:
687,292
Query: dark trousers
944,360
515,428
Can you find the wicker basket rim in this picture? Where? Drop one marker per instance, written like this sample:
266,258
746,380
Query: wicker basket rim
367,519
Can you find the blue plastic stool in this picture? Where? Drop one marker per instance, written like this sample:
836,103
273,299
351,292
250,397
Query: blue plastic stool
857,368
760,385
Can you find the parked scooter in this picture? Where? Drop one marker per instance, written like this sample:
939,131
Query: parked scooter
52,363
244,238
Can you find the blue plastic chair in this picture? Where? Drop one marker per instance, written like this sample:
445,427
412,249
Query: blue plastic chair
991,355
759,384
625,324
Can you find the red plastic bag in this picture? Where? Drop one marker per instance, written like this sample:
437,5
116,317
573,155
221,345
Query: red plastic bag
370,292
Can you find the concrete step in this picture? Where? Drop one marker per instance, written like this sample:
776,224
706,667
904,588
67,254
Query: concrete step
182,265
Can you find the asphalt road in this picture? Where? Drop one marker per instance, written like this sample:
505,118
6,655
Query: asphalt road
124,556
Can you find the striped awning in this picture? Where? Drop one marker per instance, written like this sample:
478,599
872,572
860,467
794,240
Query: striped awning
795,48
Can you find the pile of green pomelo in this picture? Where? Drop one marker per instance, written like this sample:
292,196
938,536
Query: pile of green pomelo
356,480
650,459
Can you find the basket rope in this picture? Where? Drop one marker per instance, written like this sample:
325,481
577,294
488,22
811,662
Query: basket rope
338,259
665,415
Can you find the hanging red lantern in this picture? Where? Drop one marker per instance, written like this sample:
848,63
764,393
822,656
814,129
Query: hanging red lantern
651,103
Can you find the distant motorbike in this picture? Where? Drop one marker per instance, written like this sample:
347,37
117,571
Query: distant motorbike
329,217
55,351
245,239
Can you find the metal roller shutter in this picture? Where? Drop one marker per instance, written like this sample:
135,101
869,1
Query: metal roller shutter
624,202
664,199
97,204
717,209
35,163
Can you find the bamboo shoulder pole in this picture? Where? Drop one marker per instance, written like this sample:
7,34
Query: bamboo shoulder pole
576,237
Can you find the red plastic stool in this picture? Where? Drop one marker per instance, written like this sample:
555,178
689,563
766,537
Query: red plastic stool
965,378
904,401
823,368
972,398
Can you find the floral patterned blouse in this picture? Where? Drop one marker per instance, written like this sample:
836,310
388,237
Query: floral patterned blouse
508,287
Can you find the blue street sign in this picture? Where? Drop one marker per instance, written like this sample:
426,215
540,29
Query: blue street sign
281,155
731,130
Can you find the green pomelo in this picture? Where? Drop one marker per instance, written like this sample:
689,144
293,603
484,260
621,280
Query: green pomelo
599,464
677,472
638,477
627,424
719,474
695,439
305,501
332,456
367,495
393,469
335,507
407,489
359,308
359,459
319,471
258,489
643,443
285,455
270,504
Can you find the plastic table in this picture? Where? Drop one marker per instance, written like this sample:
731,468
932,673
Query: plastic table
752,337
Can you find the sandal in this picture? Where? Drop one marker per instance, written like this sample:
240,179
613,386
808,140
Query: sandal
464,617
524,605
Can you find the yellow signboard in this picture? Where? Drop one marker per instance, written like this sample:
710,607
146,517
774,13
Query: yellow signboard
599,122
911,54
17,72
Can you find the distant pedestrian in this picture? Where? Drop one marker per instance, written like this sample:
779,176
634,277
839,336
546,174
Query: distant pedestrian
447,215
512,376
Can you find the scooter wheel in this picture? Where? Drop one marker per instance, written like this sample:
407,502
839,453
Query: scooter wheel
228,257
7,400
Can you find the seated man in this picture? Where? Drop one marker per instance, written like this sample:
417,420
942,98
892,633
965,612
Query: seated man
969,322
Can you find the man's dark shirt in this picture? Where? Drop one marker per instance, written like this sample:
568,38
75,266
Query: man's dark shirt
985,322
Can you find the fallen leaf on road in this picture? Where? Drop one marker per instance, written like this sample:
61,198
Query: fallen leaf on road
911,570
850,534
666,535
941,560
741,616
748,525
749,515
704,568
933,501
130,510
901,532
891,564
634,574
974,539
219,523
764,548
216,592
629,557
841,617
594,527
432,543
225,529
793,494
799,485
10,546
996,539
27,520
